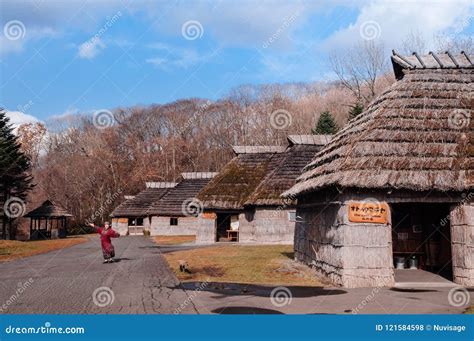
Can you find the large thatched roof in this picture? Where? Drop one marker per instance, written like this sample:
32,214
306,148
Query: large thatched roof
138,205
233,185
48,209
181,200
417,135
299,153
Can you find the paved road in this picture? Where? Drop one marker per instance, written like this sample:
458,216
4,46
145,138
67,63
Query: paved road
64,281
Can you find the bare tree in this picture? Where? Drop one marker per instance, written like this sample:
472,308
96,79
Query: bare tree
414,42
361,68
455,44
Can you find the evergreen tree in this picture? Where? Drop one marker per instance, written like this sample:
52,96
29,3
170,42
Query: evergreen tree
356,110
15,178
326,125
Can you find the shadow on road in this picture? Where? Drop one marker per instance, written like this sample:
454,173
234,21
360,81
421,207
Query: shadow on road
224,290
244,310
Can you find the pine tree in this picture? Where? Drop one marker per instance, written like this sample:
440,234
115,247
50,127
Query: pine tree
15,178
356,110
326,125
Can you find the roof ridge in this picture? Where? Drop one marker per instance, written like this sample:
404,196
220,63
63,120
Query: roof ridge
432,60
198,175
160,184
258,149
312,139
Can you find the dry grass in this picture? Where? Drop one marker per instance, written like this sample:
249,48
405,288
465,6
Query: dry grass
13,249
250,264
174,240
470,310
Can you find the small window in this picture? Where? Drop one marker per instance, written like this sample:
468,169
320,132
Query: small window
292,216
173,221
131,222
139,222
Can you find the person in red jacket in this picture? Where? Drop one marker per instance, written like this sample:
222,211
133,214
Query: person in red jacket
106,233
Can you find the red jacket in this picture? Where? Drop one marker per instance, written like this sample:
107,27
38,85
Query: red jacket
105,236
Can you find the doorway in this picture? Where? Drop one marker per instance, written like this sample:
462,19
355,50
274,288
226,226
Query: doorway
227,227
421,240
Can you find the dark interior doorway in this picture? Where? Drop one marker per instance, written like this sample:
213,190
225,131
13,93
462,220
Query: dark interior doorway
223,227
421,237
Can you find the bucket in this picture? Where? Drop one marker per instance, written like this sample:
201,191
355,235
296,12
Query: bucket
413,263
399,262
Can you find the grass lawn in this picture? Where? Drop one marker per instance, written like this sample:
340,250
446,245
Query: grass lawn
250,264
174,240
13,249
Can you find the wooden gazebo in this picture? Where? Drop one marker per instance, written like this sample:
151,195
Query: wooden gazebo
48,221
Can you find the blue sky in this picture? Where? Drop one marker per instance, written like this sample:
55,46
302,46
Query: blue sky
65,57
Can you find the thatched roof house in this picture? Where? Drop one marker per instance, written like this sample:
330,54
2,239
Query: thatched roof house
176,212
132,216
139,205
171,204
243,201
300,151
413,145
232,186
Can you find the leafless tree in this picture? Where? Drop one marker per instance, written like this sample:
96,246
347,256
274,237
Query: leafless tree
361,68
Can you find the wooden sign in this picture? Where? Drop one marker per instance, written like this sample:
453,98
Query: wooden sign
368,212
122,220
209,215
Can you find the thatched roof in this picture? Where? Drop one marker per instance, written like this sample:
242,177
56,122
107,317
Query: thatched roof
48,209
233,185
299,153
138,205
176,201
417,135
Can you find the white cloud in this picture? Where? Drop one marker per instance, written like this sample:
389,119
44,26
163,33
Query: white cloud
174,57
17,118
395,21
91,48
